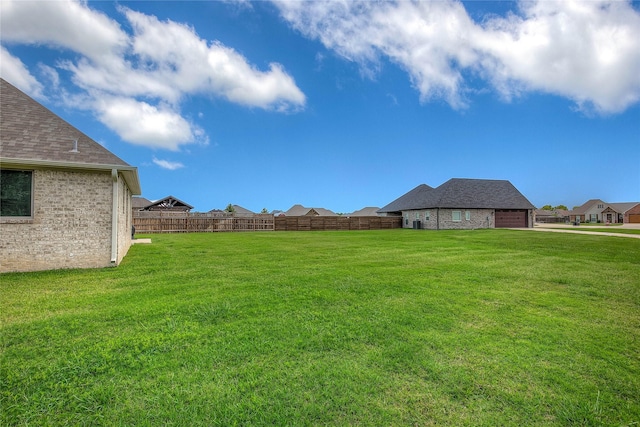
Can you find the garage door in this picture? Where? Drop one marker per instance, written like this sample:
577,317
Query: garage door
511,218
634,218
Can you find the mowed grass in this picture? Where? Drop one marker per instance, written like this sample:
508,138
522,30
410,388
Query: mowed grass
394,327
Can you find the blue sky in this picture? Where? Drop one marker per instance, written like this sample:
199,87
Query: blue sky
342,105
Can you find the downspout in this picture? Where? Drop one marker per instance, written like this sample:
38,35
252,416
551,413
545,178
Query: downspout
437,218
114,217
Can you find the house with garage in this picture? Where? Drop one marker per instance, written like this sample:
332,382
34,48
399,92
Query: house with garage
65,200
463,204
597,210
627,213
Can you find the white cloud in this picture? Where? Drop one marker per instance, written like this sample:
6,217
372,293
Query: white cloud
134,82
63,23
588,52
181,59
13,70
144,124
166,164
50,74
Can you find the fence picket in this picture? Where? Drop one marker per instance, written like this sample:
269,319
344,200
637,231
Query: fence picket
187,222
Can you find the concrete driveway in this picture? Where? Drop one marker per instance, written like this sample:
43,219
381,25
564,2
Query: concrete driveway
563,228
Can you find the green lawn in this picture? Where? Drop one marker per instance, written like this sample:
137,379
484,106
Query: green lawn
393,327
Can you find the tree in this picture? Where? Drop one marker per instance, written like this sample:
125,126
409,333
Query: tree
561,208
264,211
547,208
230,208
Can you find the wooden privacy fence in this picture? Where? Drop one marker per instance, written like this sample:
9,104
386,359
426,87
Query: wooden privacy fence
324,223
182,222
173,222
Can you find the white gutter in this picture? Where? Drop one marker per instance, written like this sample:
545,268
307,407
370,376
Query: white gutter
114,217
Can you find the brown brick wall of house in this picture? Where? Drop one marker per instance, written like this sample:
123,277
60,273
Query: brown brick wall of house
429,219
71,225
633,211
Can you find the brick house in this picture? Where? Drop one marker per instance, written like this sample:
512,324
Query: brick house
463,204
596,210
65,200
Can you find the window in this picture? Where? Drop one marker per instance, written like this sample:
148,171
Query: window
16,193
456,216
593,218
467,215
427,215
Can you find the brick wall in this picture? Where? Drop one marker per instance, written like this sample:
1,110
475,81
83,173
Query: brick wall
633,211
429,219
71,225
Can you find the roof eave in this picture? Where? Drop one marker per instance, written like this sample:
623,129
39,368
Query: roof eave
130,173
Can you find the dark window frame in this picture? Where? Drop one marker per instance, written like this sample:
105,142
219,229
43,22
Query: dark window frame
6,217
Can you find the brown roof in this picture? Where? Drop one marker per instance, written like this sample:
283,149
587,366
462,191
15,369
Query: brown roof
32,132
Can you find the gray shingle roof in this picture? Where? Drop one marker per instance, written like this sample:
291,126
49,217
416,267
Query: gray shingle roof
240,210
139,202
368,211
32,132
462,194
623,207
586,206
299,210
414,197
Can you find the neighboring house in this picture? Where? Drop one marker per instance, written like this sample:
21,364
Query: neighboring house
596,210
463,204
368,211
239,210
299,210
65,200
588,211
628,213
139,203
168,204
